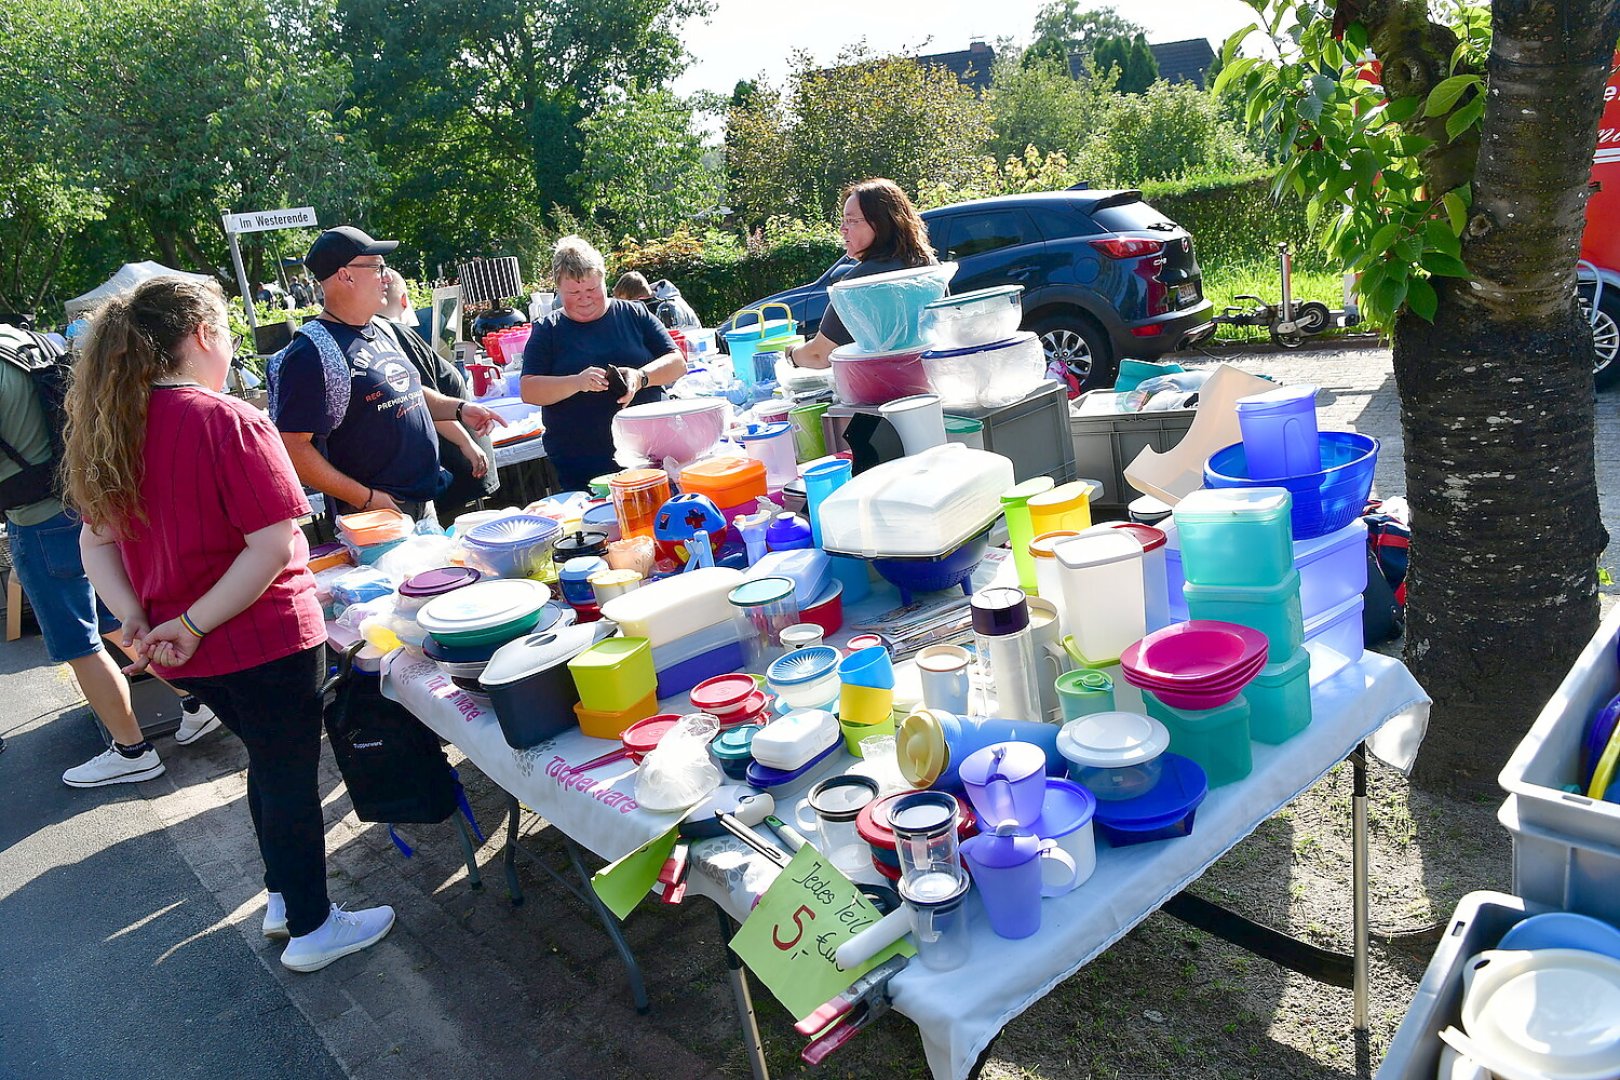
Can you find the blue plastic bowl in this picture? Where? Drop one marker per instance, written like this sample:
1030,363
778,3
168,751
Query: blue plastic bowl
933,575
1324,501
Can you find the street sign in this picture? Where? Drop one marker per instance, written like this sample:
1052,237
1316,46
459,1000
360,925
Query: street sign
302,217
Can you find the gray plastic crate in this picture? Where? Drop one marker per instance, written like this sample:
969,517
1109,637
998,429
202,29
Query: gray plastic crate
1106,443
1548,758
1478,924
1565,871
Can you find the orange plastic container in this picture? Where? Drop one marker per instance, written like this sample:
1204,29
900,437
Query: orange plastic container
638,495
370,527
729,481
605,725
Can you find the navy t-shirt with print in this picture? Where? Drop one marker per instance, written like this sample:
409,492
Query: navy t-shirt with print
386,438
627,335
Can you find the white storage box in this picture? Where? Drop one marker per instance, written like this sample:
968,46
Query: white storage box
1334,639
1332,569
667,610
1548,758
792,741
920,506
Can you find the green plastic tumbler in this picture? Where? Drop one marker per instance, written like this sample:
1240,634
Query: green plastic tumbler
809,442
1020,531
1081,693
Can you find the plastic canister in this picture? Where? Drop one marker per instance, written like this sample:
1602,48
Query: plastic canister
1082,693
1050,659
637,496
925,827
1067,506
768,606
1155,586
603,518
809,440
606,584
729,481
1006,651
1279,433
1020,530
575,579
931,744
772,444
965,430
837,802
939,918
1103,591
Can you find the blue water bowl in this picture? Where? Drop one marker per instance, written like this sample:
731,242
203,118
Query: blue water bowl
1324,501
911,575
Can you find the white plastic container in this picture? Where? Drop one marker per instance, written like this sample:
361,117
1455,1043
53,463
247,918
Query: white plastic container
923,505
1332,568
667,610
1114,754
790,742
693,645
1334,639
1103,592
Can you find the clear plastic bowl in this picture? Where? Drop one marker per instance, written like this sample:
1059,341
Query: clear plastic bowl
974,318
986,376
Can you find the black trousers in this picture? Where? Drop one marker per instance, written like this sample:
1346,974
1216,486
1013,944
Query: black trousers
275,709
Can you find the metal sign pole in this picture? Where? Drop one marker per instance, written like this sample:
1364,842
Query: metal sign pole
241,275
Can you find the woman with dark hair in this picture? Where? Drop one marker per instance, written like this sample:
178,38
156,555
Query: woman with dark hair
882,232
191,508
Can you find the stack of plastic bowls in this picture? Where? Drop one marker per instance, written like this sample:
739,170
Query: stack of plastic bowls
865,695
806,678
884,312
512,547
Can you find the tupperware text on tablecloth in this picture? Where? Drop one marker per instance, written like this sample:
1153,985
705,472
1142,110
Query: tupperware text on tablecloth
439,687
571,779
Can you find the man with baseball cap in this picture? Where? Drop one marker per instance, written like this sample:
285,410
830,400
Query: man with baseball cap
354,416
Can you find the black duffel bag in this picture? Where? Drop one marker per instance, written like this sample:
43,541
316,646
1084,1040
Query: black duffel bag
393,766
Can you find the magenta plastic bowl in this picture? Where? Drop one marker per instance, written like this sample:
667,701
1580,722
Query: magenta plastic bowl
877,378
1197,651
673,428
1193,696
1234,676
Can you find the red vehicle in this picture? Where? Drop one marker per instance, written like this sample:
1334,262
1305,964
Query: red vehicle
1598,275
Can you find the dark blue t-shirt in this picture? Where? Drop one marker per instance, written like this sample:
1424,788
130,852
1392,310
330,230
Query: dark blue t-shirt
386,438
627,335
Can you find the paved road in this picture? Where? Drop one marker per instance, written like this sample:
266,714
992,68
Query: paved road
114,962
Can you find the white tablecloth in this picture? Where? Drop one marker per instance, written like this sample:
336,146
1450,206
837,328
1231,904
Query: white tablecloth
957,1012
531,450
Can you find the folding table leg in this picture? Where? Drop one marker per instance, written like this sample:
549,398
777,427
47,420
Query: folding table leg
475,880
1358,874
510,850
610,925
738,976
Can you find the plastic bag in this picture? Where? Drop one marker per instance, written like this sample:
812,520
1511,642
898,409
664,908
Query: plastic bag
360,584
416,555
678,774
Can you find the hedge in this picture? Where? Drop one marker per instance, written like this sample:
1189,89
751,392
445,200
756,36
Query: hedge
1233,220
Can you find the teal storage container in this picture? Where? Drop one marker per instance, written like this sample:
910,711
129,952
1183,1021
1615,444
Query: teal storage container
1280,699
1218,739
1274,610
1236,536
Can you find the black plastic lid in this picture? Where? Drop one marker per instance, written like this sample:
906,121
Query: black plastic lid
582,542
999,611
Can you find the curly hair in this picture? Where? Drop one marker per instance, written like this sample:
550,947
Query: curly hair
898,231
134,341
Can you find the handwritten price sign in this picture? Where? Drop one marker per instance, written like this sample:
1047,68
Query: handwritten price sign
791,936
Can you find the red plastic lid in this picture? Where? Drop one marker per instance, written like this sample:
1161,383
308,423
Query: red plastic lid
723,693
864,641
1146,535
873,821
642,736
753,708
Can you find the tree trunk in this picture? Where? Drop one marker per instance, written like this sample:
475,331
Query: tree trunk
1496,407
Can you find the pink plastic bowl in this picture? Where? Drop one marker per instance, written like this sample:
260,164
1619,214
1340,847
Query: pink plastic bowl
673,428
1233,677
877,378
1195,652
1193,696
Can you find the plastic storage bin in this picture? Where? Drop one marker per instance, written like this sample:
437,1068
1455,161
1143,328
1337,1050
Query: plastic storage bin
1280,699
1105,443
668,610
1332,568
1479,923
925,505
1563,871
989,375
1271,609
729,481
1334,639
1103,591
529,685
682,675
614,675
1235,536
877,378
1217,739
883,312
974,318
638,494
610,725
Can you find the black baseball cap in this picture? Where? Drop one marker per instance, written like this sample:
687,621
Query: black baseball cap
336,248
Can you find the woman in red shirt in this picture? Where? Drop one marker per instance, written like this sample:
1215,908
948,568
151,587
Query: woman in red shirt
191,538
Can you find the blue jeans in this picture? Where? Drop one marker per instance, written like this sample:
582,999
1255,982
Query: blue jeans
47,562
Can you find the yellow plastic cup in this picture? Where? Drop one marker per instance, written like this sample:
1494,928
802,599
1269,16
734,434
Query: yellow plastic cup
865,705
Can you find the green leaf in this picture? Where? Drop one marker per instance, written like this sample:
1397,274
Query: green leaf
1446,93
1437,235
1442,265
1233,40
1409,249
1234,72
1402,109
1422,299
1363,167
1310,108
1384,238
1355,36
1465,118
1456,212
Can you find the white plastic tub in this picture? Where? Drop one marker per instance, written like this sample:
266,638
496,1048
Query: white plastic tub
1332,568
924,505
1334,639
666,611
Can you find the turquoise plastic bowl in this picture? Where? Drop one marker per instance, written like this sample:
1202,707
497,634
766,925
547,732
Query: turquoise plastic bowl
494,635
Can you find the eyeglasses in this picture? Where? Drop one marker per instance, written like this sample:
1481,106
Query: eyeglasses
380,266
850,223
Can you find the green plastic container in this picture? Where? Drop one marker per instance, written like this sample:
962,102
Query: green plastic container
809,440
1020,531
1280,699
1274,610
494,635
1084,692
1218,739
1236,539
615,674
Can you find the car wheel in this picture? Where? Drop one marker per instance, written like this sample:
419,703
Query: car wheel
1606,339
1078,346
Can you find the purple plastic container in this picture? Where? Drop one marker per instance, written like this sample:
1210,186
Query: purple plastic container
1006,783
688,673
1006,868
1279,432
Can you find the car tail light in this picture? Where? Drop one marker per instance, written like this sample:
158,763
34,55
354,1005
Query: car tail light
1150,330
1126,247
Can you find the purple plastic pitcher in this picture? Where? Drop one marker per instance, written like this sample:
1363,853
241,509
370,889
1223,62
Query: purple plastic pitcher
1007,868
1007,783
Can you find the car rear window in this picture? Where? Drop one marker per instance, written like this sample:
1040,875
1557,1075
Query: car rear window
1128,217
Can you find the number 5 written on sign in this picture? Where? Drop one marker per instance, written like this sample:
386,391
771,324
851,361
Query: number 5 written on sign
798,924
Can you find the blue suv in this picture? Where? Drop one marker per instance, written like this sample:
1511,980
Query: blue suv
1105,275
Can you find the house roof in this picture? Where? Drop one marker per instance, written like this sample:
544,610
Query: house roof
1183,61
971,65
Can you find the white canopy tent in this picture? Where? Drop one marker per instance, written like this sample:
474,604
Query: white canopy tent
128,276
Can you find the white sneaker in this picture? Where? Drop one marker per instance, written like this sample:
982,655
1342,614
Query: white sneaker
275,916
342,933
194,726
112,767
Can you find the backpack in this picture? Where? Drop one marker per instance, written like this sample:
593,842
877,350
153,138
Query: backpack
1388,550
50,370
333,362
391,763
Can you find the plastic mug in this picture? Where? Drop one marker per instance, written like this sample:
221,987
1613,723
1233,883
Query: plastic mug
1013,871
837,802
945,682
939,918
870,667
801,636
864,705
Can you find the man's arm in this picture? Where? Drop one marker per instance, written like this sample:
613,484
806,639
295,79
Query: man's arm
315,471
479,418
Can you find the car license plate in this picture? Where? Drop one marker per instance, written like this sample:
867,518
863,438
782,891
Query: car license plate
1186,294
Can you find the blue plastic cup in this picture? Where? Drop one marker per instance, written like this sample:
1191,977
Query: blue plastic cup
1279,433
821,481
868,667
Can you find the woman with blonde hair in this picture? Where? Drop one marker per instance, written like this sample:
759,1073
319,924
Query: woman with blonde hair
882,231
191,538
